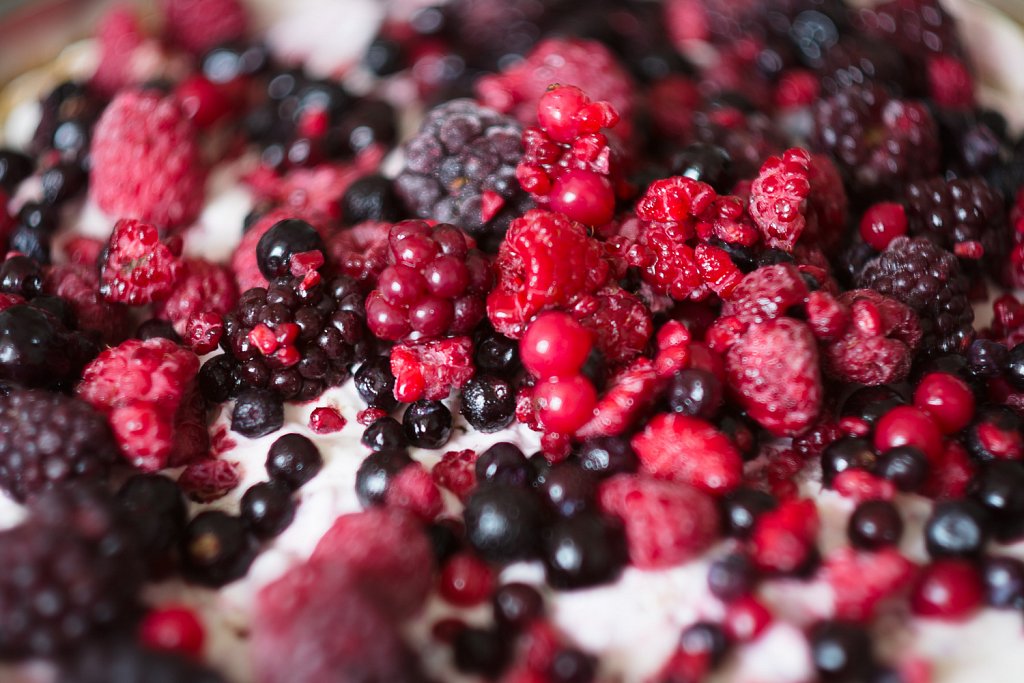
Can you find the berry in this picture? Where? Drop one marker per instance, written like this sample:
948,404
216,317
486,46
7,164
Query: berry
284,240
496,354
564,405
376,384
923,276
862,580
257,413
432,369
947,589
157,510
957,214
783,538
905,466
875,524
606,456
996,433
22,276
293,460
731,577
216,549
999,487
745,619
878,346
773,369
515,605
465,580
267,508
956,529
244,262
554,345
47,439
778,198
139,268
503,463
371,198
766,293
173,629
326,420
145,161
456,472
480,652
79,286
503,523
376,475
209,479
742,508
384,434
568,489
907,426
38,350
428,424
488,403
583,551
689,451
460,168
947,399
841,651
199,25
1003,579
132,663
414,490
696,393
665,522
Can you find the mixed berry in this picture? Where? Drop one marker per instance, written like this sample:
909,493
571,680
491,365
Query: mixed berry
720,260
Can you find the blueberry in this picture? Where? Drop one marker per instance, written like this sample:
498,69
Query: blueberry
384,57
482,652
1003,579
63,181
35,348
568,489
371,198
384,434
496,354
282,241
696,393
845,454
35,244
488,403
996,433
742,507
956,528
841,651
158,512
1015,366
293,460
445,537
608,455
875,524
583,551
22,276
217,380
516,605
503,463
216,549
706,163
570,665
375,474
428,424
14,167
731,577
905,466
267,508
372,122
999,487
704,639
376,384
257,412
988,358
503,523
40,218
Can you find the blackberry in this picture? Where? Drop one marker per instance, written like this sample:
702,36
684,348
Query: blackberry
157,509
70,570
297,340
461,168
37,349
929,279
48,438
123,660
952,212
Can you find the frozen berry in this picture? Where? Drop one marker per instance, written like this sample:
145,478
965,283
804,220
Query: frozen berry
957,528
384,434
606,456
905,466
281,242
555,345
376,384
696,393
428,424
488,403
947,589
257,413
503,523
583,551
741,509
216,549
267,508
1003,579
874,524
503,463
515,605
841,651
731,577
293,460
376,474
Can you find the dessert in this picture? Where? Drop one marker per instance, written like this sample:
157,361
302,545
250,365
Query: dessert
519,342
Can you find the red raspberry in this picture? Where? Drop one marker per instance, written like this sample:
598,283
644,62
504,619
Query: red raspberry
413,490
778,198
139,268
198,25
546,261
434,286
766,293
456,471
361,251
861,580
878,346
666,262
144,433
203,287
666,523
326,420
243,260
746,618
773,371
203,332
79,285
949,477
119,35
146,162
783,538
826,316
691,451
317,190
205,481
827,206
629,395
386,551
431,369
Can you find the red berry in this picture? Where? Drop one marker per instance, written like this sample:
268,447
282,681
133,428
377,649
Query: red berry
861,580
947,399
619,321
565,404
860,485
203,332
465,580
628,396
414,490
778,198
947,589
783,538
583,196
766,293
554,345
690,451
456,471
139,268
119,35
205,481
198,25
202,101
949,82
326,420
882,223
908,426
174,629
431,369
746,618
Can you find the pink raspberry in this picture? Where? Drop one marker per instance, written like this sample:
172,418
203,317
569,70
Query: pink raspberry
666,523
778,198
198,25
119,35
620,322
361,251
204,287
456,471
773,372
413,490
318,189
878,345
862,580
766,293
690,451
783,538
208,480
80,286
145,161
629,396
431,369
139,268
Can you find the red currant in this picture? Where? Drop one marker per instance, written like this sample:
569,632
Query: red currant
882,223
947,589
947,399
908,426
564,405
173,628
555,345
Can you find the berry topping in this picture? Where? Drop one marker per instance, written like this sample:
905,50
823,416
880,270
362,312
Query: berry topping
690,451
139,268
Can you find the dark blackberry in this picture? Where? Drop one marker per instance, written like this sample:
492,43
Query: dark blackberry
257,413
375,474
428,424
384,434
216,549
48,439
156,508
14,167
583,551
376,384
37,349
488,403
293,460
123,660
371,198
503,523
323,330
928,279
22,276
952,212
878,143
70,570
267,508
460,168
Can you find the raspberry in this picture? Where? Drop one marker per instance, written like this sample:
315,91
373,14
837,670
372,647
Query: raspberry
878,347
414,490
326,420
773,371
75,555
667,263
766,293
386,552
783,538
584,63
666,523
147,388
434,287
139,268
929,280
48,439
205,481
689,451
317,191
460,168
456,471
244,262
465,580
79,285
203,287
203,332
145,161
120,35
629,396
545,261
878,143
361,252
198,25
778,198
432,369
